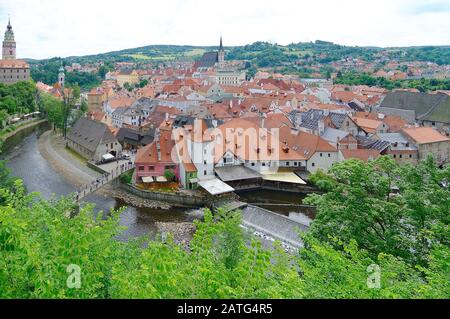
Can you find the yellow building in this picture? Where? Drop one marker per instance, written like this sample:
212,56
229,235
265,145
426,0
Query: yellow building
127,76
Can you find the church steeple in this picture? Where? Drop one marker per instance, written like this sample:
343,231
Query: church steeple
61,76
221,54
9,43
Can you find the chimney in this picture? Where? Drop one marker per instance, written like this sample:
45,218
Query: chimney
321,125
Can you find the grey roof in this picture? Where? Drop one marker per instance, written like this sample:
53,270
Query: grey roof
90,134
368,143
332,135
182,120
236,173
145,103
134,137
208,60
119,111
311,118
429,107
398,141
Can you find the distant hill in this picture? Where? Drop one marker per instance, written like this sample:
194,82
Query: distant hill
263,54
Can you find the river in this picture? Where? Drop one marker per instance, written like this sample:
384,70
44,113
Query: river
27,163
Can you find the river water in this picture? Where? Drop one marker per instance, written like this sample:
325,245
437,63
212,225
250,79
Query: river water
27,163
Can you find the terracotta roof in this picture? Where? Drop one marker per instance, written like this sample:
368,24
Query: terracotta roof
366,124
425,135
149,153
362,154
14,64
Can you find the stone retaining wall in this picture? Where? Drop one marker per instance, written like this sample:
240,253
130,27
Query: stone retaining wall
172,198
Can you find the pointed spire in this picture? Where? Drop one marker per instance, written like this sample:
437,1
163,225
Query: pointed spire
9,23
221,45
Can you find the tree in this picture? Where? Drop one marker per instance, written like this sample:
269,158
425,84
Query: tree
359,204
169,175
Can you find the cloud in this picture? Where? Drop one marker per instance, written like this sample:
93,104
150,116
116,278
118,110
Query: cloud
47,28
427,7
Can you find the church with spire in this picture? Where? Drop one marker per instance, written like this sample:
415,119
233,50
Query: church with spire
11,69
213,66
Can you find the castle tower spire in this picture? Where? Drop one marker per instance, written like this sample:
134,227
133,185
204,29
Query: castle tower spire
9,43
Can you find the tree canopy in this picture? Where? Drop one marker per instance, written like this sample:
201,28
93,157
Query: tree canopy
45,245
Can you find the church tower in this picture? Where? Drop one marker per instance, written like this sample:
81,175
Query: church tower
221,54
61,76
9,44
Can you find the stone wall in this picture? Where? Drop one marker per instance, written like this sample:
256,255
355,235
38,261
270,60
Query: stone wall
179,199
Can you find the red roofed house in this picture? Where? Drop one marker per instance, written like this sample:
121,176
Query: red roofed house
153,160
429,141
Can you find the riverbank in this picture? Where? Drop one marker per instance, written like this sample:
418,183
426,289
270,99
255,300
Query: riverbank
75,171
11,139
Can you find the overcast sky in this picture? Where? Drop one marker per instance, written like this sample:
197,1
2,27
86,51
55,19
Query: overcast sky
48,28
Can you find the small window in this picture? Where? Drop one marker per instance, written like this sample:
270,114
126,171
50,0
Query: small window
313,164
205,173
410,155
151,168
253,164
287,163
263,164
141,168
329,155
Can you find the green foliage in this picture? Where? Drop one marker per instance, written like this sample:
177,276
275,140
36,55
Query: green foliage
47,71
40,239
423,85
359,204
127,177
169,175
18,98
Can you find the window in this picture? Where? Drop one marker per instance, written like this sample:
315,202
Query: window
287,163
205,173
329,155
295,163
395,156
141,168
410,155
313,164
253,164
151,168
321,155
263,164
400,156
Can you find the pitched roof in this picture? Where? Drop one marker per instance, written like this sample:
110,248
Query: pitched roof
362,154
425,135
14,64
429,107
90,134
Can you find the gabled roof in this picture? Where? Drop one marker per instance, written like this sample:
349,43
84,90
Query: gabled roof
90,134
429,107
425,135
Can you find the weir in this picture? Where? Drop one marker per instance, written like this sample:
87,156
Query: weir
275,225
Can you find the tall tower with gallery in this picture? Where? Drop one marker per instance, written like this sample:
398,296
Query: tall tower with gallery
9,44
11,69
